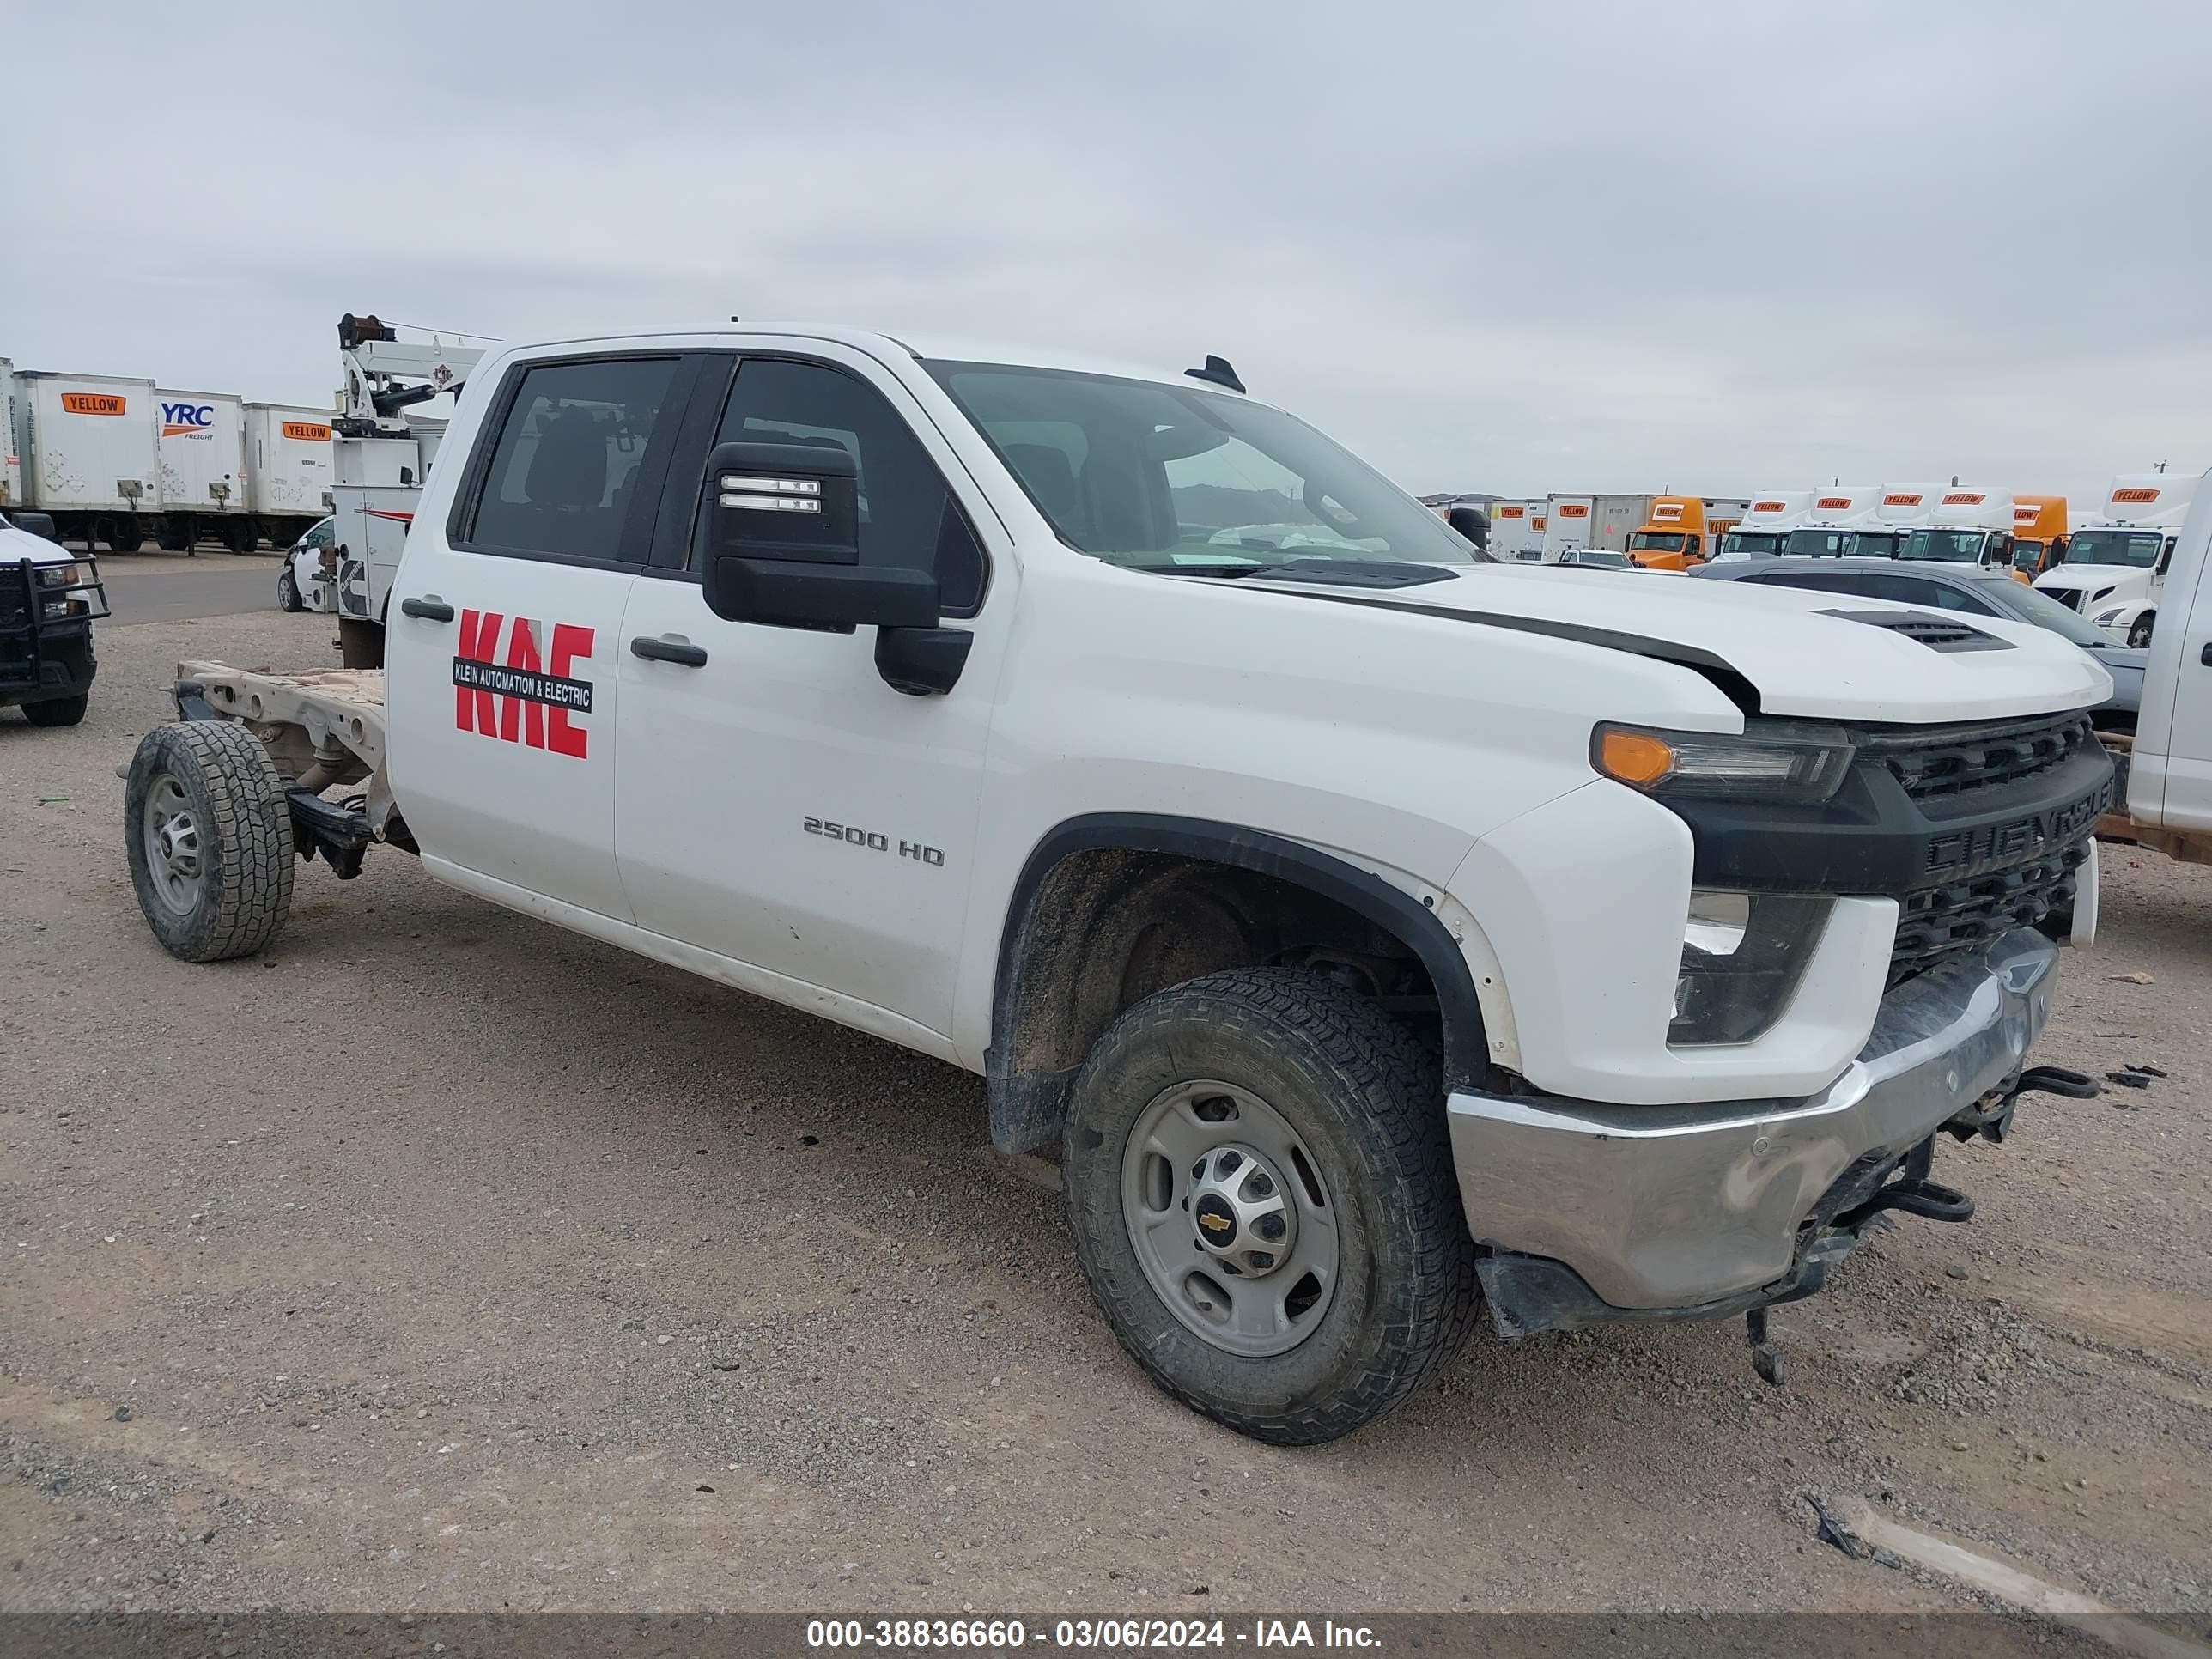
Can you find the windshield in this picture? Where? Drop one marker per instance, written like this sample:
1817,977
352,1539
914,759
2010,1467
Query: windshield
2138,548
2027,555
1656,541
1138,473
1840,544
2044,611
1946,546
1751,544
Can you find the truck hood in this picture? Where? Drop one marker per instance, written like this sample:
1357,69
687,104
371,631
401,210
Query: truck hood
1792,651
2087,578
18,545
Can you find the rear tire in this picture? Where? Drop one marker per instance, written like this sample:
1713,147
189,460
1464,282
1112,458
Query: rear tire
238,535
210,838
1342,1108
58,711
287,592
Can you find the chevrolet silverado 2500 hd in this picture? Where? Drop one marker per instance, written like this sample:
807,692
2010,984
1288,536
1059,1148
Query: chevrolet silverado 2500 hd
1379,931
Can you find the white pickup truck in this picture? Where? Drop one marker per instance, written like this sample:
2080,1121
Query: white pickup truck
1378,930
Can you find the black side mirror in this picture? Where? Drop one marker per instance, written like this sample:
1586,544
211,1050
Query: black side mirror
1473,523
783,524
34,524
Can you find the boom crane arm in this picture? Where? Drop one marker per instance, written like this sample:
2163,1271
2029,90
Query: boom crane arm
385,374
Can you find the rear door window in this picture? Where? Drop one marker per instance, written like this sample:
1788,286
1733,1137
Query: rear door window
569,463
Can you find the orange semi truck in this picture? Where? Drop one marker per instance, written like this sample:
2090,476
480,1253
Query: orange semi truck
2038,534
1681,530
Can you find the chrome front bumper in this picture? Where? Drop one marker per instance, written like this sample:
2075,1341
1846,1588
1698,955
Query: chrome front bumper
1682,1210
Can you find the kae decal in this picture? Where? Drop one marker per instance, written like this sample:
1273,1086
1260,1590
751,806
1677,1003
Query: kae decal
528,698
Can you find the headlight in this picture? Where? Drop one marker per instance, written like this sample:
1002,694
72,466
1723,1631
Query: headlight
58,575
1742,955
1773,760
2105,619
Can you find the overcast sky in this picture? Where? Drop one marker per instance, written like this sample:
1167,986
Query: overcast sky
1721,245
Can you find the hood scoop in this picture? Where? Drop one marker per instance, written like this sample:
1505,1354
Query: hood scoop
1937,633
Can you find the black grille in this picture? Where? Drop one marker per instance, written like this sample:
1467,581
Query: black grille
1958,760
1944,921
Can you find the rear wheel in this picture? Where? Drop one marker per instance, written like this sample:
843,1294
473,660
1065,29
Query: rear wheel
1262,1193
123,534
288,590
238,535
58,711
210,839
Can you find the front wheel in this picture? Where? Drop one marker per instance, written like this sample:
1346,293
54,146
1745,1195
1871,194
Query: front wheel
210,838
1260,1188
2139,631
58,711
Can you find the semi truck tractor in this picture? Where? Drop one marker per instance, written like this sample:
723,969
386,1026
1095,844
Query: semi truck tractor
1963,524
1763,532
1381,933
2038,534
1845,521
1681,530
2115,568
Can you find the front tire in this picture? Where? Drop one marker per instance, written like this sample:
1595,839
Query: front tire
1305,1128
210,839
2139,631
58,711
287,592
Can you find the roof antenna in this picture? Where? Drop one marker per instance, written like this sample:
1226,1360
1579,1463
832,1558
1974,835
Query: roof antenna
733,319
1216,370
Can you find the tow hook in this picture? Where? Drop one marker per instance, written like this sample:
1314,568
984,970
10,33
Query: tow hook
1765,1358
1991,1117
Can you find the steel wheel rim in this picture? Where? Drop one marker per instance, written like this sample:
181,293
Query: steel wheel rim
176,859
1173,1160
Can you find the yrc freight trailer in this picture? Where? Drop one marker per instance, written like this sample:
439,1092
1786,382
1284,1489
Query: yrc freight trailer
202,460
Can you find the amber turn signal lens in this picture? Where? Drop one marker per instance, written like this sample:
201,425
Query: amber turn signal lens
1635,757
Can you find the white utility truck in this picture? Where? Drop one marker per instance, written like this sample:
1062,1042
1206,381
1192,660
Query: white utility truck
1381,931
2116,566
49,599
382,453
2167,789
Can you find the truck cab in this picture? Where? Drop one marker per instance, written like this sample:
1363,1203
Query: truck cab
2115,568
1845,521
1964,524
1382,933
2038,534
1673,536
1763,532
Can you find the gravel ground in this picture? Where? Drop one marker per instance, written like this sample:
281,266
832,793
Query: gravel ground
441,1261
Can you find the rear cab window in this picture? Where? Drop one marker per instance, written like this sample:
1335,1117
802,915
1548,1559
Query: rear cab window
570,471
